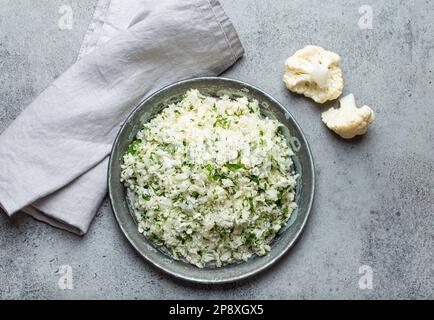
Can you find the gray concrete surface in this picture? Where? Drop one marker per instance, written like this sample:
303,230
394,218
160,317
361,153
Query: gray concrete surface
374,203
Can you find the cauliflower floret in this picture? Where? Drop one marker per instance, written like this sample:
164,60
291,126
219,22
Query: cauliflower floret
348,121
314,72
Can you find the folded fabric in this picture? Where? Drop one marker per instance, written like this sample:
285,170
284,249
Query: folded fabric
54,155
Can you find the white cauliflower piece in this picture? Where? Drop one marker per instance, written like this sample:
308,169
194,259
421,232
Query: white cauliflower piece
314,72
348,121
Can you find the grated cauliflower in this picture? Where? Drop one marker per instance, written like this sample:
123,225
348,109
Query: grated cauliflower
314,72
210,180
348,121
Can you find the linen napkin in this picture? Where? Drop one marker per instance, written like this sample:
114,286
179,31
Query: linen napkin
54,156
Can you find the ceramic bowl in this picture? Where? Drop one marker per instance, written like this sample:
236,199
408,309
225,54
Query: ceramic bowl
303,164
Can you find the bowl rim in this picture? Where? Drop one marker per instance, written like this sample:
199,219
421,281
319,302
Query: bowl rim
269,263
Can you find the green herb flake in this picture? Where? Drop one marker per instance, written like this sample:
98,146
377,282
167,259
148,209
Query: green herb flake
153,237
251,239
234,166
254,179
222,122
133,147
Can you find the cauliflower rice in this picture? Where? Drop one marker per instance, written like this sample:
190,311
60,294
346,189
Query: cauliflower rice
210,180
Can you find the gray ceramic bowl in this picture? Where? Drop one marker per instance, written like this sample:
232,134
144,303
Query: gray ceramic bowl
302,160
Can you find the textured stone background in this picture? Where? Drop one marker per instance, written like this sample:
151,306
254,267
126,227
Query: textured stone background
374,203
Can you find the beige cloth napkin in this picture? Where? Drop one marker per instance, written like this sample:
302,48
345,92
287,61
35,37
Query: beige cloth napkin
54,156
